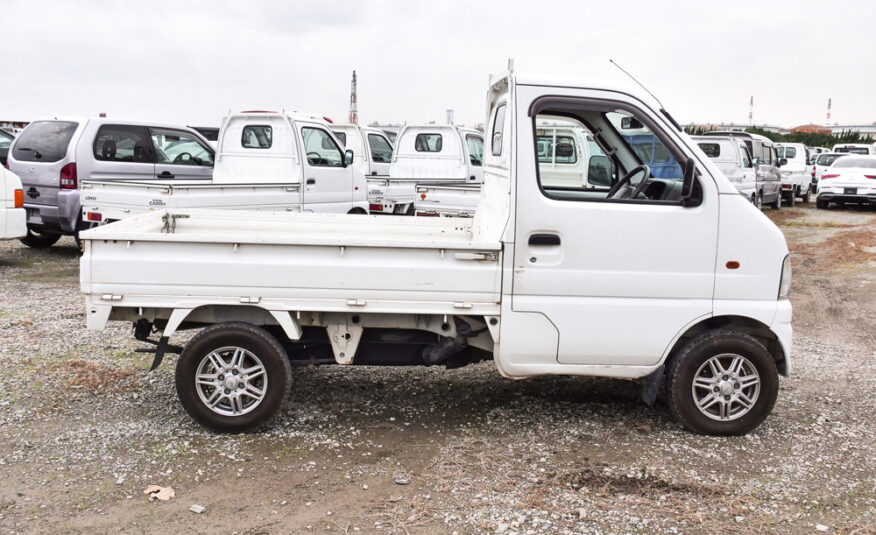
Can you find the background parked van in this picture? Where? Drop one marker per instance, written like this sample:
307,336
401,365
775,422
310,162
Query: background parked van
5,141
733,159
796,177
765,160
52,156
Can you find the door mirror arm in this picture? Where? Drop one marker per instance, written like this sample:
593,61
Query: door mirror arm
687,185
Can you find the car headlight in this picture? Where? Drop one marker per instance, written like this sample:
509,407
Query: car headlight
785,280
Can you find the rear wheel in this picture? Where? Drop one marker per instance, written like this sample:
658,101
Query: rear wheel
40,240
757,200
777,204
233,377
791,198
722,383
808,195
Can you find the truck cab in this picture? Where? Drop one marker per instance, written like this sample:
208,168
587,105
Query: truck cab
372,150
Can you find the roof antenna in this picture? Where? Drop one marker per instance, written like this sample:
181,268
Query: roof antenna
662,107
638,82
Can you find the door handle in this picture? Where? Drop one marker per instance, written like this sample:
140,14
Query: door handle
311,181
165,174
544,239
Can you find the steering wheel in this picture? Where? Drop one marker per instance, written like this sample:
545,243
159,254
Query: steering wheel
625,180
179,157
314,157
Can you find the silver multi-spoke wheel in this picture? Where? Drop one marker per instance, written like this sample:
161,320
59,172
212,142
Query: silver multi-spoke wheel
726,387
231,381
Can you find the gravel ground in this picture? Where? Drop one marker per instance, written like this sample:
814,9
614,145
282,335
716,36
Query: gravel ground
84,430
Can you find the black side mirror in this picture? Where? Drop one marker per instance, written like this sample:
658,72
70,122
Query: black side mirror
631,123
348,157
687,185
782,161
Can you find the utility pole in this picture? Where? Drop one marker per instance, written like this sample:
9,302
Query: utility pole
354,109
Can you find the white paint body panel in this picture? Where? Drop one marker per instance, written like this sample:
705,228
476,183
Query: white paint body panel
12,219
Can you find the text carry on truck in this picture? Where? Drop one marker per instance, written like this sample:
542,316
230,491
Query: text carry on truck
266,161
675,282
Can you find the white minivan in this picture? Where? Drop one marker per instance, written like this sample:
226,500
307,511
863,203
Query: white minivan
52,156
733,159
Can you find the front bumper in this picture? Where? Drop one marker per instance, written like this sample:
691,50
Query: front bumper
782,328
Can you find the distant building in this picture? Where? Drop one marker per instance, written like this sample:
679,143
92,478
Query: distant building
811,129
864,129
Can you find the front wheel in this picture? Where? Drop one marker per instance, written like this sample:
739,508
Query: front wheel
757,200
722,383
233,377
39,240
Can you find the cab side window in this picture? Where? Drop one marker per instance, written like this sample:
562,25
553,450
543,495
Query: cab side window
321,149
180,148
497,136
746,158
381,150
122,143
475,146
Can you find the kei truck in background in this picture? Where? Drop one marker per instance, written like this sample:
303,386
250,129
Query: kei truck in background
678,282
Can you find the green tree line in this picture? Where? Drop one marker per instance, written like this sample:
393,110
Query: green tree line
810,139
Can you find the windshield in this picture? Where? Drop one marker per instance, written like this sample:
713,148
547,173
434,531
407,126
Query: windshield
865,163
789,153
44,141
854,150
827,159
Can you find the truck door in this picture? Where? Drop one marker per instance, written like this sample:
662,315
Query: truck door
328,184
619,273
381,154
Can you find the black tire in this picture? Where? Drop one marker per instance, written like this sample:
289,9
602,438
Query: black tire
39,240
697,352
357,211
777,204
257,341
821,205
808,195
791,198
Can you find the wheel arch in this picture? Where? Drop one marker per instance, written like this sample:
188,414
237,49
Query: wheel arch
751,326
255,315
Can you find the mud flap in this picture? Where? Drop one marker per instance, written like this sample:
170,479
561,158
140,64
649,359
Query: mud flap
651,386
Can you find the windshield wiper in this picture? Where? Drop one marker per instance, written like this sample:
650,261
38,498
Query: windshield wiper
36,153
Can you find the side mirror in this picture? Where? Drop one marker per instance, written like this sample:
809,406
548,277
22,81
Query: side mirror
600,171
755,161
687,185
631,123
348,157
782,161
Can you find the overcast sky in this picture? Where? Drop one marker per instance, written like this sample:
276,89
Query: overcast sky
189,62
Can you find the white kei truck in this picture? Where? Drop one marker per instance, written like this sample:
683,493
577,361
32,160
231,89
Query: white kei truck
13,220
679,283
426,155
372,150
265,161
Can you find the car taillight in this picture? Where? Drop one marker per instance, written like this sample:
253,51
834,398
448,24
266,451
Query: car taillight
68,176
825,177
813,171
19,198
375,207
94,216
870,176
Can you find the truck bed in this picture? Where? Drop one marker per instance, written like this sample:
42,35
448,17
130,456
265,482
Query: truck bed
457,201
119,199
290,261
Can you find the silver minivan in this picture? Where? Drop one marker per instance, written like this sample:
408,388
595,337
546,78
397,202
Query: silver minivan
53,156
766,165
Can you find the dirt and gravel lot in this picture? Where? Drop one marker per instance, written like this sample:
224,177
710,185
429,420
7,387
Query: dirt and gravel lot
84,430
